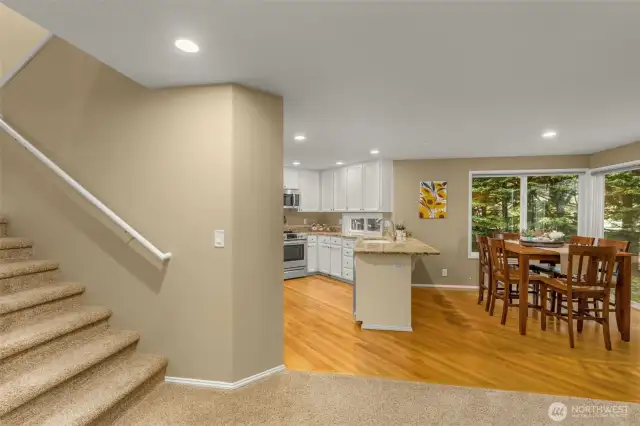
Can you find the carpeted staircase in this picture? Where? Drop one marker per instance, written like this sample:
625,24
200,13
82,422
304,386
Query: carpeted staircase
60,362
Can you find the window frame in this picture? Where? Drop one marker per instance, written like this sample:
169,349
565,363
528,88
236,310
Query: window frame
584,196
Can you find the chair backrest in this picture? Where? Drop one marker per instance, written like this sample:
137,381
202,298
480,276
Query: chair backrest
506,236
599,263
499,259
618,244
483,250
581,241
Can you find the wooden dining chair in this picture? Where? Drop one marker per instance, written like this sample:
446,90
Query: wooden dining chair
594,284
506,280
620,246
484,270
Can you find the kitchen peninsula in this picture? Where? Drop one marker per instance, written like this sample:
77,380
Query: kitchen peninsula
383,281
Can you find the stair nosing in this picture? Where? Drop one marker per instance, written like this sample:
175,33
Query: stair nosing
10,243
155,364
31,388
19,345
26,267
26,299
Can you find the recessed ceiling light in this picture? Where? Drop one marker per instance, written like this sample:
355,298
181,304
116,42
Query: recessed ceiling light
339,163
300,137
374,152
187,45
549,134
296,163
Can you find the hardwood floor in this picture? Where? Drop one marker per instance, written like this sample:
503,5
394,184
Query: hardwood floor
456,342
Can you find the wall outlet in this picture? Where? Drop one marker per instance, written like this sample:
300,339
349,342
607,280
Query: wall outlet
445,272
305,221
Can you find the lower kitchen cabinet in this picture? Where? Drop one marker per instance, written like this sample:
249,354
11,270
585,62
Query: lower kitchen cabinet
324,258
336,261
312,258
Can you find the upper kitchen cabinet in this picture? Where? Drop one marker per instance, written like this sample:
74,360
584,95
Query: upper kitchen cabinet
355,195
291,178
340,189
371,188
326,190
309,181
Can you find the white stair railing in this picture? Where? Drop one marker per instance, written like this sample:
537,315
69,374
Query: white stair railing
86,194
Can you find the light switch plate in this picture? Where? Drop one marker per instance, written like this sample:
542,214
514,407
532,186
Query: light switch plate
445,272
218,238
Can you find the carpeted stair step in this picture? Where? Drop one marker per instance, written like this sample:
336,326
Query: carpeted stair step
23,306
66,365
15,249
110,387
3,226
26,274
29,336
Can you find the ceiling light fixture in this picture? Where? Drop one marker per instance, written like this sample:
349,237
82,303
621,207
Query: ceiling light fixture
374,152
187,45
549,134
296,163
300,138
339,163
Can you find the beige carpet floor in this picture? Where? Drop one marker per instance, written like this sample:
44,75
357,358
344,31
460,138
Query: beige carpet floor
296,398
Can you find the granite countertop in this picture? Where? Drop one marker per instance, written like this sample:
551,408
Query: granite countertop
330,234
410,246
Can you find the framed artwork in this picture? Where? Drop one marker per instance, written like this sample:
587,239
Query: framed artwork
433,199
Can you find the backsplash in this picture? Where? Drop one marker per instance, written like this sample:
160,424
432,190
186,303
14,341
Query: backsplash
297,218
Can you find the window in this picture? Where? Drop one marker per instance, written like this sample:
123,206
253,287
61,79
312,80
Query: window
495,206
515,201
552,203
622,215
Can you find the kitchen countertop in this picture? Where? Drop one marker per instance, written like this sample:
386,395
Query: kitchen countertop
330,234
411,246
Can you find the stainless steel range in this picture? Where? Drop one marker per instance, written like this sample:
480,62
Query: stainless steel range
295,255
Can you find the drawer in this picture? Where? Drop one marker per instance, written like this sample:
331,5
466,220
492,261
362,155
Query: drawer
347,252
324,239
336,241
312,239
348,243
347,262
347,274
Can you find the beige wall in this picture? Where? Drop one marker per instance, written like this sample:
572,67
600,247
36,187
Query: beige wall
18,36
168,162
297,218
450,235
258,311
621,154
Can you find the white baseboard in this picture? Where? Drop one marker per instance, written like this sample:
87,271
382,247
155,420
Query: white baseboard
386,327
224,385
448,286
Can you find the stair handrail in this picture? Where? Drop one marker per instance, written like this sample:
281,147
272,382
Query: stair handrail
83,191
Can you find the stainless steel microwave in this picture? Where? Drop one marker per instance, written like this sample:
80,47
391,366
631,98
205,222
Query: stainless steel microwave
291,199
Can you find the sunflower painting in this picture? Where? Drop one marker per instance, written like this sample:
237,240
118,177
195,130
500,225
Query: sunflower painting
433,199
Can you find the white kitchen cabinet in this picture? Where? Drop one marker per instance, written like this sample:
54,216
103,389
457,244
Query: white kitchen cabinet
309,181
371,173
336,261
340,189
324,258
354,188
326,190
312,257
291,179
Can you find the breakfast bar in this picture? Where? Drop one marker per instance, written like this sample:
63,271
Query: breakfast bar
383,281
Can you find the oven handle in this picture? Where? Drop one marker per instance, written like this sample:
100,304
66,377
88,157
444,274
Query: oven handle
291,243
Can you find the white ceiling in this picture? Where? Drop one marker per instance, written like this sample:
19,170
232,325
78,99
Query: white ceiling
416,80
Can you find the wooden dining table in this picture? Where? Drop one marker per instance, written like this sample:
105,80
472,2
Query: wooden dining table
623,282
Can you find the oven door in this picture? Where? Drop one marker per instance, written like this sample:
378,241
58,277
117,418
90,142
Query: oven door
291,199
295,254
